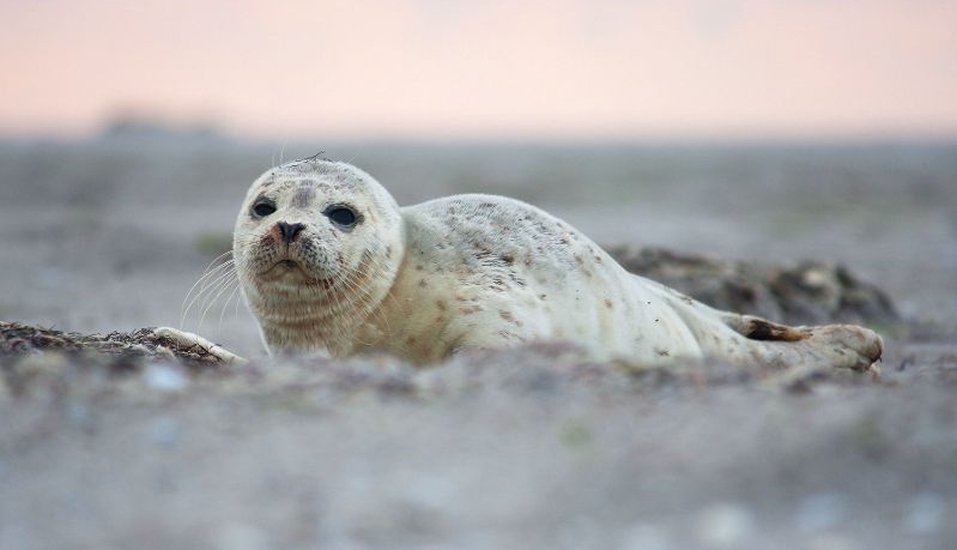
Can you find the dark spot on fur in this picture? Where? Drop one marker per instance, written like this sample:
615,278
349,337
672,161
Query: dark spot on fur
662,352
759,329
441,305
423,283
303,195
608,303
498,285
507,259
510,335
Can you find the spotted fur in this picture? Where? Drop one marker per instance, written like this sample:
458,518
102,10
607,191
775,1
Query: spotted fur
476,271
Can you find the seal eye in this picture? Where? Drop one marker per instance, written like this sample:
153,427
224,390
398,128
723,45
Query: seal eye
341,215
263,208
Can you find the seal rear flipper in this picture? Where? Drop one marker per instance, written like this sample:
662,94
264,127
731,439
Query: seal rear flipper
841,346
756,328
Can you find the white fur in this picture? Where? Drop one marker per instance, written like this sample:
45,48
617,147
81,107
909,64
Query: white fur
477,271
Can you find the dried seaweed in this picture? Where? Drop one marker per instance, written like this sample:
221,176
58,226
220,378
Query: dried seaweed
123,348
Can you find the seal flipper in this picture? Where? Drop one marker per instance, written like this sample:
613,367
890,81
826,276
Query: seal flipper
756,328
841,346
187,340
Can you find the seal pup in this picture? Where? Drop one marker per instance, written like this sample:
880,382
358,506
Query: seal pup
329,263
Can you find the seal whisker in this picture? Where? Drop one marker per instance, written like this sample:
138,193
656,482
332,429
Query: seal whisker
222,286
214,264
366,309
235,284
209,280
209,273
208,292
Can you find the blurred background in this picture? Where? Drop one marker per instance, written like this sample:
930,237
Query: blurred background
769,130
430,69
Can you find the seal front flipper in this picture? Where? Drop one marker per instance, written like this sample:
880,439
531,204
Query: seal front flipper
187,340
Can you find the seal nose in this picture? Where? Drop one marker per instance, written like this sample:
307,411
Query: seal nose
289,230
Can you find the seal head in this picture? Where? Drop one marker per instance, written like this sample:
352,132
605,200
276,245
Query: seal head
317,245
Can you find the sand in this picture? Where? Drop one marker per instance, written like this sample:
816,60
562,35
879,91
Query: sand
534,448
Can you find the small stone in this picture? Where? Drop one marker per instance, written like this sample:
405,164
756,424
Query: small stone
164,431
926,513
237,536
819,512
40,365
80,415
725,525
644,536
831,541
165,377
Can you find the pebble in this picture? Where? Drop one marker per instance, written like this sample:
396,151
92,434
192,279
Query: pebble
926,513
725,525
80,415
644,536
820,512
239,536
165,377
164,431
831,541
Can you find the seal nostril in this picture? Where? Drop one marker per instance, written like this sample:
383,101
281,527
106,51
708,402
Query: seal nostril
289,230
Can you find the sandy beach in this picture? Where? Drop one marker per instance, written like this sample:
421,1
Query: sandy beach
533,448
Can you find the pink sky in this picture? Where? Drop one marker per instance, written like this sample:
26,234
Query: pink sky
437,68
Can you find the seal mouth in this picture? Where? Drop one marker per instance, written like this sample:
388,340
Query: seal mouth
291,268
282,266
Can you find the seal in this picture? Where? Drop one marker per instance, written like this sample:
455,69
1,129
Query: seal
329,263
